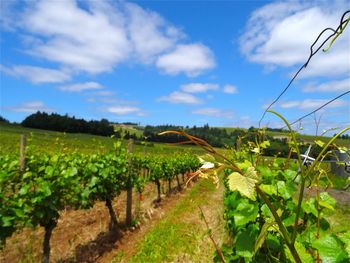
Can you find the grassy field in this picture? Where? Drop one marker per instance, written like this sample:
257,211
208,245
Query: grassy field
305,137
137,130
51,141
311,138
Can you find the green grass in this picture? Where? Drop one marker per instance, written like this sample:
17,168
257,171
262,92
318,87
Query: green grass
51,141
311,138
174,236
137,130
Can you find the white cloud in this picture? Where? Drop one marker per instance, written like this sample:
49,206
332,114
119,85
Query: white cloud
310,104
31,107
191,59
178,97
103,93
36,75
214,112
150,34
78,87
230,89
81,39
332,86
124,110
280,34
199,87
97,36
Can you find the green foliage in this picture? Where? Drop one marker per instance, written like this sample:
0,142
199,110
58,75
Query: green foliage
51,182
267,214
331,249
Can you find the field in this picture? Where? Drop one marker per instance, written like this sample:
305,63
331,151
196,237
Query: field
51,141
172,230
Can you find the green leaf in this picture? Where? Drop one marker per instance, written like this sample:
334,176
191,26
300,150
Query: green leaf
319,143
304,255
330,249
265,171
289,221
302,252
263,234
45,189
309,206
246,241
285,190
327,201
245,212
245,165
345,238
242,184
268,189
266,211
265,144
289,174
6,221
272,241
49,170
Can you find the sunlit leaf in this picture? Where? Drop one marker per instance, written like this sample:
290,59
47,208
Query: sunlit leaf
327,201
242,184
319,143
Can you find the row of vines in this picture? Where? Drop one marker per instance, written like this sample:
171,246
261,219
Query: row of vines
49,183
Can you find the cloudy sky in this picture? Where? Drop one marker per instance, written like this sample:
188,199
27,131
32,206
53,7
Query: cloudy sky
172,62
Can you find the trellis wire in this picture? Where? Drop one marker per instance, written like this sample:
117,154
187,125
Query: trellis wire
319,108
312,53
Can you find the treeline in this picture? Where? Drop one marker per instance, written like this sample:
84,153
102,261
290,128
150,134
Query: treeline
56,122
2,119
217,137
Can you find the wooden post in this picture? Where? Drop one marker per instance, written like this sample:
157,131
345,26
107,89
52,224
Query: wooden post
22,153
128,219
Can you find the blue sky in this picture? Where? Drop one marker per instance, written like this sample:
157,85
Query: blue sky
172,62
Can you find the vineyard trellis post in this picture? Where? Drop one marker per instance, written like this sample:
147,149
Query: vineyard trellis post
22,153
128,219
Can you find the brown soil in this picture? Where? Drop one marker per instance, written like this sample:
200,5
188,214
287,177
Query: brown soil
83,235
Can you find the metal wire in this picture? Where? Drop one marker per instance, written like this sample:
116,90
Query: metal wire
312,53
319,108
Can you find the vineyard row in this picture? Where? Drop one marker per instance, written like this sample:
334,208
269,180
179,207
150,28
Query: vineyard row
36,194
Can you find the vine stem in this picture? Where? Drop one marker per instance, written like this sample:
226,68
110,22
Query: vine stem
211,237
282,228
318,214
303,178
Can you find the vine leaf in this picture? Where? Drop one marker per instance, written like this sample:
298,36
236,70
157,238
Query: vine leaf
263,234
327,201
245,212
245,242
320,143
303,253
243,184
268,189
345,238
330,249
